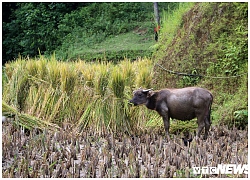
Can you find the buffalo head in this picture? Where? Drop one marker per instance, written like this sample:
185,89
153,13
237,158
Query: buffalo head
141,96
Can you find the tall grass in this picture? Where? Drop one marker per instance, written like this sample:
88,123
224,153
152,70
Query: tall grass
171,21
87,95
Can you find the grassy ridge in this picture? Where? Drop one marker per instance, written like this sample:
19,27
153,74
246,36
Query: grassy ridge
131,45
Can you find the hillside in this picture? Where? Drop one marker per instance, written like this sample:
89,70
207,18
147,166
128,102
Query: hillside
211,40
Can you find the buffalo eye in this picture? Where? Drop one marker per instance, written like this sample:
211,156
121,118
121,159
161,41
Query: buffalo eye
140,95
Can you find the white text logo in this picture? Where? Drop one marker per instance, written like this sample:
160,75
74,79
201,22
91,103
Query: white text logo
222,169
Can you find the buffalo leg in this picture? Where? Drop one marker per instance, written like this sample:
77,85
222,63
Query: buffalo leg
206,130
200,127
166,125
207,126
166,122
201,124
163,112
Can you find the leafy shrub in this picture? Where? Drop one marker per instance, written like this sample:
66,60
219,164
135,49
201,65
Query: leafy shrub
33,26
241,118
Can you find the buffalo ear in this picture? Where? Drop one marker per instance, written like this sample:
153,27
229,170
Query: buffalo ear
150,94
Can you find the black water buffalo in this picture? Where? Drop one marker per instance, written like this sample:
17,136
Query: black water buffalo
182,104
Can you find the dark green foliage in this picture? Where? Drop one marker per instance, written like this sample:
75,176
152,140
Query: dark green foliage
241,118
33,26
28,27
104,18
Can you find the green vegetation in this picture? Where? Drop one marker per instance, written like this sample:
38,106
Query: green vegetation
208,39
79,30
130,45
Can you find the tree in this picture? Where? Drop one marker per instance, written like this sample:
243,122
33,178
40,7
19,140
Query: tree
30,26
156,12
157,20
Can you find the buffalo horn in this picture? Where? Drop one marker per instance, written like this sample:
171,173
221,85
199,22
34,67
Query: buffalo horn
146,90
136,90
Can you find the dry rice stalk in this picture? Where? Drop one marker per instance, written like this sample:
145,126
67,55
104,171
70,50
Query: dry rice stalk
27,120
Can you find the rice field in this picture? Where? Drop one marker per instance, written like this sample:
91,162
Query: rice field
82,93
44,92
73,119
64,154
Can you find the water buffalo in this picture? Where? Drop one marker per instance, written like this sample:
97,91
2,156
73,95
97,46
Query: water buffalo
182,104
